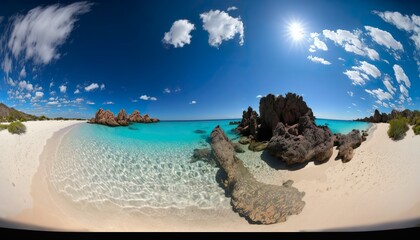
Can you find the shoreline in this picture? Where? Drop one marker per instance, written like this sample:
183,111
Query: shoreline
354,196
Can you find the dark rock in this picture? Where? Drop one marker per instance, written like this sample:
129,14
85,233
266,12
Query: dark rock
238,148
199,131
346,144
287,110
376,116
203,154
105,118
312,143
257,146
108,118
244,140
235,123
384,117
258,202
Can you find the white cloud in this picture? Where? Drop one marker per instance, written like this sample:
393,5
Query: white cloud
39,95
166,90
52,103
90,103
22,73
379,94
362,98
403,22
318,60
357,77
10,81
317,43
52,93
26,85
178,89
78,100
385,105
146,98
193,102
233,8
63,88
51,84
400,75
350,42
108,103
350,93
403,90
134,100
77,91
102,86
91,87
179,34
38,34
384,38
221,26
259,96
369,69
354,104
7,65
387,82
341,59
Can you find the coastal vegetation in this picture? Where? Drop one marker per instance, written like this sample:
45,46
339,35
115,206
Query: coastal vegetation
14,127
398,128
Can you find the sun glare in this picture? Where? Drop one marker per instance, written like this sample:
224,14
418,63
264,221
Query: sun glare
296,31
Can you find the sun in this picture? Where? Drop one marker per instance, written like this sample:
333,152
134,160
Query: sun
296,31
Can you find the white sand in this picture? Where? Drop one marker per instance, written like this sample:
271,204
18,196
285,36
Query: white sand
378,189
19,160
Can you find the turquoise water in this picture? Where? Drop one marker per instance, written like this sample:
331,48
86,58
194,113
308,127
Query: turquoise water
342,126
144,167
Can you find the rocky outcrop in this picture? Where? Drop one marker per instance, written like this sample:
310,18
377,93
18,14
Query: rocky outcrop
286,110
377,116
108,118
203,154
384,118
122,118
135,117
258,202
346,143
249,123
301,142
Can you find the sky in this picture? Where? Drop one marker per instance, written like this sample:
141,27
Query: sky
188,60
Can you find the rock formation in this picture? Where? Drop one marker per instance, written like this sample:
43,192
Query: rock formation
258,202
108,118
384,118
301,142
346,143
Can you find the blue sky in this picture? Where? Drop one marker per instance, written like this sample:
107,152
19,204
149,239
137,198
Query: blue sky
208,59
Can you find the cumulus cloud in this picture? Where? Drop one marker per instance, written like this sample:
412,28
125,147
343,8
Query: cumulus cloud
166,90
26,85
179,34
259,96
193,102
317,43
52,103
77,91
147,98
403,90
318,60
380,94
91,87
360,74
350,93
233,8
63,88
350,42
39,94
10,81
384,38
90,103
401,76
222,27
387,82
37,35
108,103
22,73
403,22
102,86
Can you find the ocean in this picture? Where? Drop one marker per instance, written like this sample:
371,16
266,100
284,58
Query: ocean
145,167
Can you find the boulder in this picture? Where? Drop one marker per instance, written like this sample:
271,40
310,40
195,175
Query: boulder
105,118
346,143
238,148
244,140
257,146
257,202
203,154
304,142
377,116
384,117
146,118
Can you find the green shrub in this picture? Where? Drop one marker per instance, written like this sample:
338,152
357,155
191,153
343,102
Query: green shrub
398,128
16,128
42,118
416,129
3,126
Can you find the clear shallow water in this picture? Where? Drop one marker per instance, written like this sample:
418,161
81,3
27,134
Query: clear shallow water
145,167
342,126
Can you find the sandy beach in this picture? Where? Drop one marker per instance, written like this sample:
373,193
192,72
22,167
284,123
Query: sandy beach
377,189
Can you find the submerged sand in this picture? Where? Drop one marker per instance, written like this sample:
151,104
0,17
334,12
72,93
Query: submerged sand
377,189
